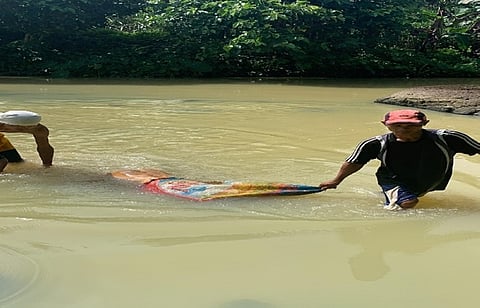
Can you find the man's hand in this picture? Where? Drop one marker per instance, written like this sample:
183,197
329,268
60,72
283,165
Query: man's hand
345,170
332,184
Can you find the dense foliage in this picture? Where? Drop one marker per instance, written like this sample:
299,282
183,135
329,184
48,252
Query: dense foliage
223,38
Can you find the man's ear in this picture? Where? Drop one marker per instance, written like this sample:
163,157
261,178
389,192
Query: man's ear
383,122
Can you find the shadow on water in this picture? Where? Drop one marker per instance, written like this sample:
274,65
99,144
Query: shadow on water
17,273
378,240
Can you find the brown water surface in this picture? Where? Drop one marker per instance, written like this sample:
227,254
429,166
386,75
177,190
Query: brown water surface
71,236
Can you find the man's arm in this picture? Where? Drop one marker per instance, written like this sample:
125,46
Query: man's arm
44,149
40,133
345,170
461,142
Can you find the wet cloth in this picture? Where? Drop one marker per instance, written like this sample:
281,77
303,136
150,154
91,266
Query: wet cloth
5,144
204,191
8,151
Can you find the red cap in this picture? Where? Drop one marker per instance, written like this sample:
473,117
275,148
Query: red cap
405,116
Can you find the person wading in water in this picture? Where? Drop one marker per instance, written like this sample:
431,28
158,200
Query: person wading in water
23,122
414,160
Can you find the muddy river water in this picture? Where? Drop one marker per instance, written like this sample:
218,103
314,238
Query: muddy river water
72,236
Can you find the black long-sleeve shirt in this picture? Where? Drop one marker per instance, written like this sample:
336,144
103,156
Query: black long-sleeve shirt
423,165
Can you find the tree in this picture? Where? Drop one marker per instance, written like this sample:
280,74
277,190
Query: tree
220,38
39,17
252,36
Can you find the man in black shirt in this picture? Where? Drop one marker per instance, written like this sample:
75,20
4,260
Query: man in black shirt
414,160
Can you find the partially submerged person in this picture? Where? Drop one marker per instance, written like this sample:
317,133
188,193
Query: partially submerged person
414,160
23,122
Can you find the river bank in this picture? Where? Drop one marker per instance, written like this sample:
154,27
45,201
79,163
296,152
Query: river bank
458,99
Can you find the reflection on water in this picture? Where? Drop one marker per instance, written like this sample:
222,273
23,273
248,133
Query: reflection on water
95,241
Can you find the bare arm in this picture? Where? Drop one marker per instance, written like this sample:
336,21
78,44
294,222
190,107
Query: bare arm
44,149
345,170
40,133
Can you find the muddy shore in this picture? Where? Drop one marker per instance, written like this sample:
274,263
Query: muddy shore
458,99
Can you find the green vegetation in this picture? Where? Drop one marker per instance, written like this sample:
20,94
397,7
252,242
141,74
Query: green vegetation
225,38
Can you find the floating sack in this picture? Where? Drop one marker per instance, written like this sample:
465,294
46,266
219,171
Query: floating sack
20,117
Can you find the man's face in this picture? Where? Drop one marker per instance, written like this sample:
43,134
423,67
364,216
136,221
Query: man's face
406,131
